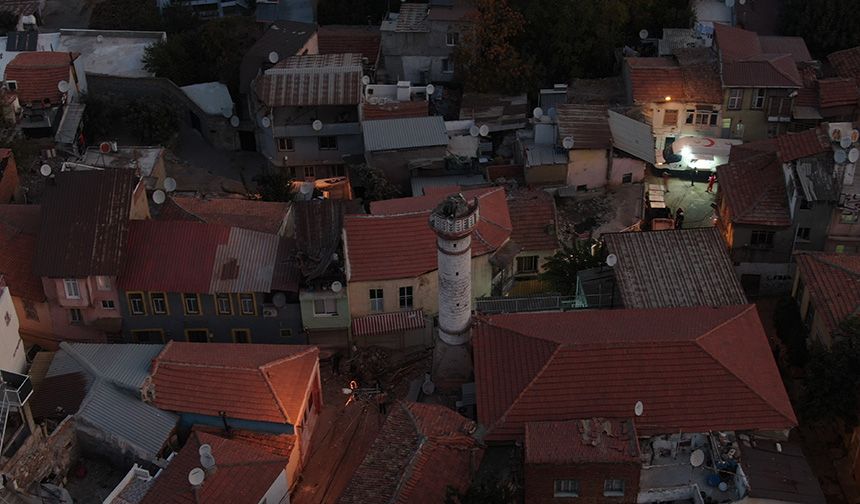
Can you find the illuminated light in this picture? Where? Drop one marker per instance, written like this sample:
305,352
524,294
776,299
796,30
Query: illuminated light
668,98
685,151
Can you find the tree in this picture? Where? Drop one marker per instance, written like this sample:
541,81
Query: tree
496,492
8,22
375,184
274,186
789,328
832,385
354,12
126,15
561,268
487,57
825,25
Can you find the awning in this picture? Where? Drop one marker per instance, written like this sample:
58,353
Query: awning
388,322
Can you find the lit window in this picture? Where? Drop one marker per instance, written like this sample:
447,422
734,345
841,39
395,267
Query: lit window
613,488
71,287
376,301
103,283
135,303
848,218
241,336
325,307
75,316
158,300
247,305
327,143
406,298
285,144
191,303
566,488
224,304
527,264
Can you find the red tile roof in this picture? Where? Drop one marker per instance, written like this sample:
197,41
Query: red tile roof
84,226
736,43
263,216
653,79
833,281
375,247
750,149
38,73
339,39
578,441
280,445
795,46
811,142
421,450
694,370
771,70
394,110
243,473
749,60
847,63
267,383
9,180
838,91
19,229
754,188
534,220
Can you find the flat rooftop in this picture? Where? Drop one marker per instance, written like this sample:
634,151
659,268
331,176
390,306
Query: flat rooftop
110,52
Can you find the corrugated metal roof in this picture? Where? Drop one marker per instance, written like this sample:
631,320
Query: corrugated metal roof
586,124
245,263
68,128
124,365
633,137
382,323
125,420
405,133
318,79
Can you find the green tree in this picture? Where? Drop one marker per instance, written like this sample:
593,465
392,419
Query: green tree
488,59
375,184
832,386
488,493
126,15
354,12
8,22
561,268
274,186
825,25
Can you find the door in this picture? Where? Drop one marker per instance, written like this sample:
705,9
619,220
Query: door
247,141
195,121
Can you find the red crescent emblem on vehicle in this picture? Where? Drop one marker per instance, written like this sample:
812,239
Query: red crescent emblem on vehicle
710,142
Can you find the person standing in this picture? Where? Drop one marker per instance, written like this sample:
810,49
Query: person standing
666,179
679,218
711,180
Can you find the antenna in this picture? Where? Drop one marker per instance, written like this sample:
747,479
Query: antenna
855,135
697,458
336,286
484,130
317,125
274,57
158,197
474,131
45,170
279,299
537,112
196,477
845,142
234,121
840,156
170,184
611,260
567,142
365,79
639,408
265,122
853,155
643,34
63,86
430,89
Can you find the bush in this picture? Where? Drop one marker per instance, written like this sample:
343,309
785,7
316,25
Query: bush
148,121
791,331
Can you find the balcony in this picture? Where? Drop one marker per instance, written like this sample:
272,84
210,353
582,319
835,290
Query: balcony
16,388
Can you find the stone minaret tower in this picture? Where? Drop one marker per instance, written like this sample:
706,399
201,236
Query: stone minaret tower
454,220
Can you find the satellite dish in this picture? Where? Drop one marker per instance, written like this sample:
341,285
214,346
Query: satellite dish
317,125
158,196
723,486
845,142
234,121
104,147
336,286
567,142
100,38
170,184
205,449
196,477
484,130
430,89
365,79
839,155
227,112
373,100
273,57
730,3
742,2
639,408
265,122
853,155
835,135
45,170
279,299
537,112
643,34
474,131
63,86
855,135
697,458
611,260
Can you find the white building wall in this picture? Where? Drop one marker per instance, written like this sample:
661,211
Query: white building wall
455,289
12,352
278,493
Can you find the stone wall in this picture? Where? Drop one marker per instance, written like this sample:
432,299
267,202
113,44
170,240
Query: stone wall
41,455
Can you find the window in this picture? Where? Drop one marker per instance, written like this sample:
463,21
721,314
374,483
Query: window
803,233
286,333
30,310
761,239
191,303
135,303
108,304
247,305
566,488
224,304
326,307
848,218
241,335
285,144
627,178
758,99
197,335
527,264
613,488
670,117
103,283
148,336
406,298
582,188
75,316
72,290
327,143
736,97
376,302
452,39
310,172
447,66
12,85
338,171
705,118
727,123
158,300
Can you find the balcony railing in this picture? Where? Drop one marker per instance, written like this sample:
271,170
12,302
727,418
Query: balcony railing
16,388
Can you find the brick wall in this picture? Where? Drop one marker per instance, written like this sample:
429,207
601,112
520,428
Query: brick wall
540,478
42,455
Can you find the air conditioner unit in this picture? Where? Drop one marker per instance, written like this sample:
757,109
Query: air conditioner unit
270,311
